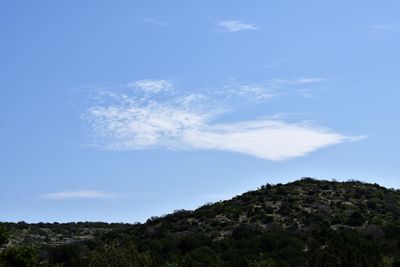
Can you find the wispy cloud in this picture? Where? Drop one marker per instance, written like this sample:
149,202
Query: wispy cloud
152,86
236,25
255,91
84,194
386,27
271,88
191,122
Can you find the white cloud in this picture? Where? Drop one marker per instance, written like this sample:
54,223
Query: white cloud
299,81
142,125
88,194
269,89
189,122
236,25
266,139
258,91
248,91
152,86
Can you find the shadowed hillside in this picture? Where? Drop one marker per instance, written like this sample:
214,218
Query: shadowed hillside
304,223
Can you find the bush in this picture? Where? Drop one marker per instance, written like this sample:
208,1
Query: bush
356,219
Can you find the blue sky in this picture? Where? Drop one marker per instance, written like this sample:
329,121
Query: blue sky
118,111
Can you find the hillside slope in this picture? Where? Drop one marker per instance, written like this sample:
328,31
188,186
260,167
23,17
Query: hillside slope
304,223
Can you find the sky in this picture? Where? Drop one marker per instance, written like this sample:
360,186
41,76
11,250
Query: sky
120,110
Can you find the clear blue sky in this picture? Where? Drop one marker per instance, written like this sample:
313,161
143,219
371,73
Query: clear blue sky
120,110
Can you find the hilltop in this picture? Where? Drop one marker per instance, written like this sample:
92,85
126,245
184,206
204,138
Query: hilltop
304,223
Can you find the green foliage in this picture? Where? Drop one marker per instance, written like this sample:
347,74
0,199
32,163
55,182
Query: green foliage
112,255
19,256
304,223
202,256
346,248
3,235
356,219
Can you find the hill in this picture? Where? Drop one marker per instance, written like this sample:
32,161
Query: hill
304,223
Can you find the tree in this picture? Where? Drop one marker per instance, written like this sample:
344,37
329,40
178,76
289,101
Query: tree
202,256
112,255
3,235
19,256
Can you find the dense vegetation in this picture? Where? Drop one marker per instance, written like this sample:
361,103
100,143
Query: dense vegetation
304,223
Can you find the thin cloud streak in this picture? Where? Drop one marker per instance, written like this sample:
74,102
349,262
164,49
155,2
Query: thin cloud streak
300,81
236,25
83,194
